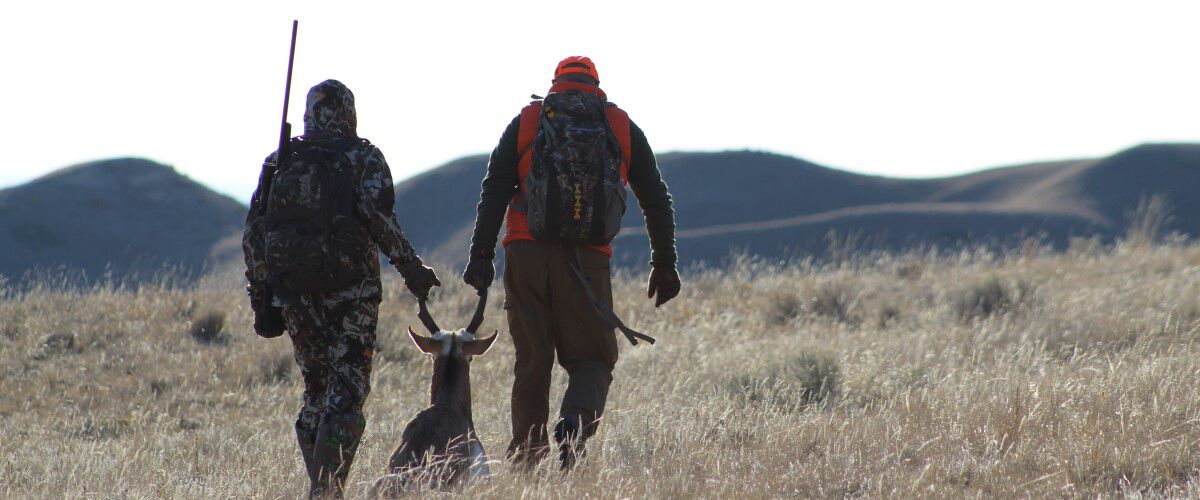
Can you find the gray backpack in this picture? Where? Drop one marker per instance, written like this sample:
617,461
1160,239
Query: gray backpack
574,191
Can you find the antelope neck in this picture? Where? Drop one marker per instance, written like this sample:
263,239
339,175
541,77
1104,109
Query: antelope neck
451,385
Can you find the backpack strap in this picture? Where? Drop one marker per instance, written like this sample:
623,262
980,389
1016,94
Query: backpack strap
619,122
528,130
526,133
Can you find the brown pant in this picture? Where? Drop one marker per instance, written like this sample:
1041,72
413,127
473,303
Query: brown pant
549,313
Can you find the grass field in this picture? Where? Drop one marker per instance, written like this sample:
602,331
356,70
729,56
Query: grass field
1028,373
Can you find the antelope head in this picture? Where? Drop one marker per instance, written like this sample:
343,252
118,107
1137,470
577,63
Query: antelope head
463,344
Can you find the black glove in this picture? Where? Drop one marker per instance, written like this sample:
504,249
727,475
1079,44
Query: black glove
268,319
419,278
480,272
664,282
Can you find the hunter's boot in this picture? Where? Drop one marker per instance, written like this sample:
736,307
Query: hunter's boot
571,438
307,439
337,441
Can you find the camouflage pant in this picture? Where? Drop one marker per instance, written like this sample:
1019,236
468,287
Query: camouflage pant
334,355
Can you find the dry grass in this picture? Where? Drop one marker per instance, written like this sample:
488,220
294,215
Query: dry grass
1030,374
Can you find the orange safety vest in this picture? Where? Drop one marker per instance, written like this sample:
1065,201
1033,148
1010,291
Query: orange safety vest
517,221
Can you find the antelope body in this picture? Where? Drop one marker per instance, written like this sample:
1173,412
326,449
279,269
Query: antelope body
439,448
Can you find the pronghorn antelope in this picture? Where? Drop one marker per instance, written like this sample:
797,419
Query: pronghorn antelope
439,445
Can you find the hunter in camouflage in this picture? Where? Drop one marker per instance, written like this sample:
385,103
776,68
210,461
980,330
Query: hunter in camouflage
332,330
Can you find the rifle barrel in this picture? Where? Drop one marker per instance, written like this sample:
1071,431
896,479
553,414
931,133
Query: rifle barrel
285,132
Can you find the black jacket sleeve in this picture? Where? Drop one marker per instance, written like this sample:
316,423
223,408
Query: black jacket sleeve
499,185
651,191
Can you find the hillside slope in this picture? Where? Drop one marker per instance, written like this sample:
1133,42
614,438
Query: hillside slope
777,205
435,207
133,214
125,214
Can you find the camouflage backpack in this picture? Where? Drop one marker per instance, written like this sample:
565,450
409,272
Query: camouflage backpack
574,191
313,237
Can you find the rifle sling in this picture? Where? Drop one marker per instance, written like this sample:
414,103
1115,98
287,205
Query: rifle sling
606,313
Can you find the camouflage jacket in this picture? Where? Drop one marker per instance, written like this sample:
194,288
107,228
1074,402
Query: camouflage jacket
330,114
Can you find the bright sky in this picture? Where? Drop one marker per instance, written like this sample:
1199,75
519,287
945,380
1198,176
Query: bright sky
914,88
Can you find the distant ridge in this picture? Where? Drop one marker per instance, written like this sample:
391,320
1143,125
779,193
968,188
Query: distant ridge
130,214
122,214
775,205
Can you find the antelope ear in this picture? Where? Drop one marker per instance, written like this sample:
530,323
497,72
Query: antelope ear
479,346
425,344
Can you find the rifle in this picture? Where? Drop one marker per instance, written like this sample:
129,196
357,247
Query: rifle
285,134
268,319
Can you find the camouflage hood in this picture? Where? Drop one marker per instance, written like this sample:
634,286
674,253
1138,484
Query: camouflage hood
330,110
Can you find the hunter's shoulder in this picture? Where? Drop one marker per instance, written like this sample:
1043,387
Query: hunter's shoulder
371,169
358,149
534,104
613,107
363,146
369,154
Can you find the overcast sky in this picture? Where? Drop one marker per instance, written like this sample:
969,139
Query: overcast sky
914,88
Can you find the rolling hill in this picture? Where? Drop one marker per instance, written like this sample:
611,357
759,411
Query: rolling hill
123,215
130,214
776,205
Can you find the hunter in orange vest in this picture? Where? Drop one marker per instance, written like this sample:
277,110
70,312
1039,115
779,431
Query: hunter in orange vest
553,284
516,221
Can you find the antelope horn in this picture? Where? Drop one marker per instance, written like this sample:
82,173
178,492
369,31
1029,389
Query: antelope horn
426,318
477,319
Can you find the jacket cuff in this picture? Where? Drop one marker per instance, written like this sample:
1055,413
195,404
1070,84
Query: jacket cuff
408,267
663,263
486,253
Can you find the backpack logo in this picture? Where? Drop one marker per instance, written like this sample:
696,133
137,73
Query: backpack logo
574,191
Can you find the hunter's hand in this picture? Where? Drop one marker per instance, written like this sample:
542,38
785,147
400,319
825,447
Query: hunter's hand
419,279
268,319
664,282
259,295
256,291
479,272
